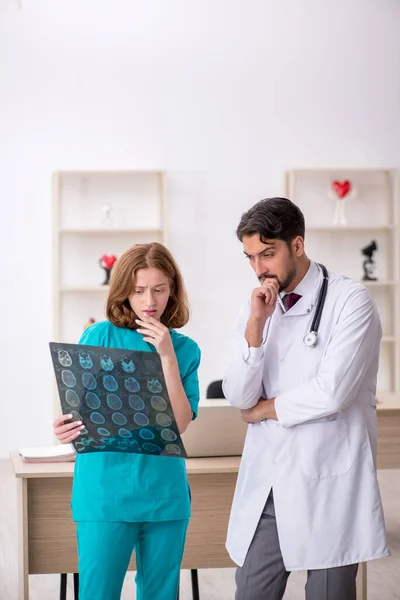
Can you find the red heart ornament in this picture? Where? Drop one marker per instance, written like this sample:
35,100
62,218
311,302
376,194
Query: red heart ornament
342,188
108,261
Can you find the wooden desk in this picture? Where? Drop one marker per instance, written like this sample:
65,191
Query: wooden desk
388,411
47,541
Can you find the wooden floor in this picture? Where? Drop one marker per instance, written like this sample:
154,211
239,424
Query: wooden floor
383,575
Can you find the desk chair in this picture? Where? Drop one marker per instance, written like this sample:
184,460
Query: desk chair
63,586
214,390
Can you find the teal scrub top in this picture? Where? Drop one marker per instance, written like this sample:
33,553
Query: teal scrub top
127,487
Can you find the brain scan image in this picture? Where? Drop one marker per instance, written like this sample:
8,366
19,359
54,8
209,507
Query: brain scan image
121,398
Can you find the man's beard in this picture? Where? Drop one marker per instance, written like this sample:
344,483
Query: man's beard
287,280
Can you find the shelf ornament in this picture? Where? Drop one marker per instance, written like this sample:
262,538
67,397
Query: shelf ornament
369,263
341,192
107,262
90,322
108,209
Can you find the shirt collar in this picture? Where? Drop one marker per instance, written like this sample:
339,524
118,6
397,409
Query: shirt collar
307,289
307,284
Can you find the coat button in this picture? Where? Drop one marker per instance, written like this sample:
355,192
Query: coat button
282,359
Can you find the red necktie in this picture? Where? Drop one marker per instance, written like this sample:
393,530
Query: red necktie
290,300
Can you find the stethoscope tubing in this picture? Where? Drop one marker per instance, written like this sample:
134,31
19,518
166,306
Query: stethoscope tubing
321,300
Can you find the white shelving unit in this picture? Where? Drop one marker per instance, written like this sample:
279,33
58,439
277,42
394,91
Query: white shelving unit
372,214
82,234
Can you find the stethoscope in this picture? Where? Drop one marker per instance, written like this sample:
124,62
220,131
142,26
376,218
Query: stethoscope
310,339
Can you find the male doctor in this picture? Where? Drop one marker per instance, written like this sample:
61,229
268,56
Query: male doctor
307,495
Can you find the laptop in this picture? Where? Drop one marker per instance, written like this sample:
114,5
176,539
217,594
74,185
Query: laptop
218,430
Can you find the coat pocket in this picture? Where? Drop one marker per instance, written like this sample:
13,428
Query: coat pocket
324,449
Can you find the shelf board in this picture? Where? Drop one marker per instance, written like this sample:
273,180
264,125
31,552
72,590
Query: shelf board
84,288
379,283
339,170
108,231
349,228
116,172
102,288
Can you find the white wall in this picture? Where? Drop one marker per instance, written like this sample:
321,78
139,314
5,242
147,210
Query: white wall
223,94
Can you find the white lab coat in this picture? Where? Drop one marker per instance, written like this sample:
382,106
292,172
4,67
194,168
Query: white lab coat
320,456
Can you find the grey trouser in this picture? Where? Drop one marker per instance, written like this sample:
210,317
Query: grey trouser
264,577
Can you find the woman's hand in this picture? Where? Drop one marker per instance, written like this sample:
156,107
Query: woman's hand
67,432
157,334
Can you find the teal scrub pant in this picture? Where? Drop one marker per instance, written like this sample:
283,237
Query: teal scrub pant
104,551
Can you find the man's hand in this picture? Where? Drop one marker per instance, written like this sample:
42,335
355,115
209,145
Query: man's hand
264,409
263,299
263,303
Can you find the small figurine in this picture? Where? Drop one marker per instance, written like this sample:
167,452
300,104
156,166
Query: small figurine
107,262
107,210
90,322
341,192
369,263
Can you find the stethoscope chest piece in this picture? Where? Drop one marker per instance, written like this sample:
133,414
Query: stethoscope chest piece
310,339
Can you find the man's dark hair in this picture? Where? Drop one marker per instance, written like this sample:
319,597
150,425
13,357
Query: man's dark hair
271,219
